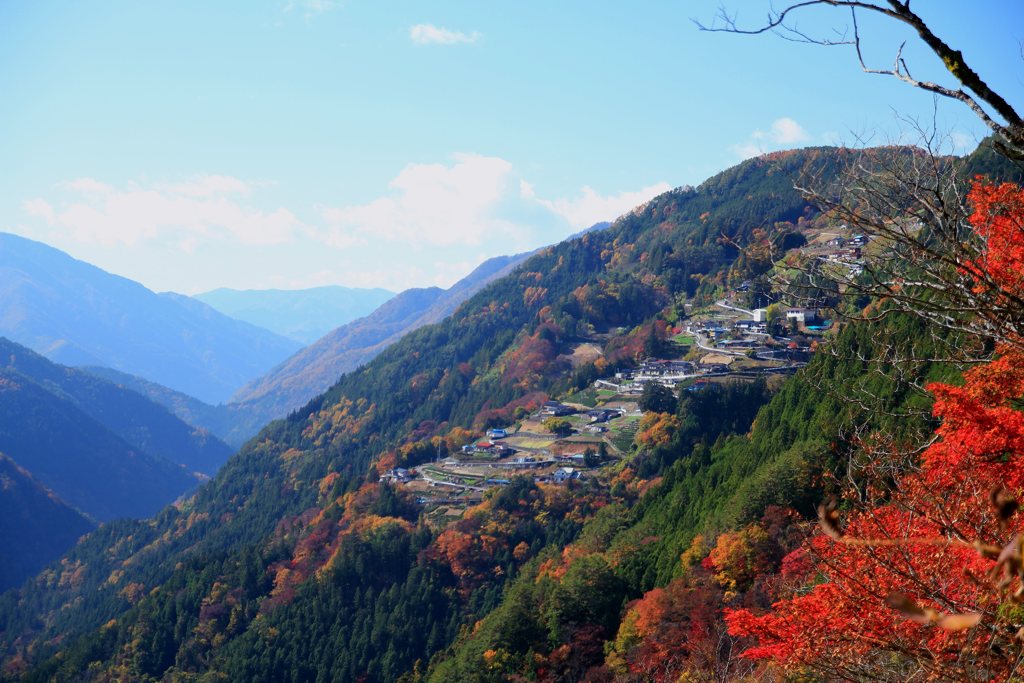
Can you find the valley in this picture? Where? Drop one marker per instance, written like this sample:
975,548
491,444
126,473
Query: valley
542,343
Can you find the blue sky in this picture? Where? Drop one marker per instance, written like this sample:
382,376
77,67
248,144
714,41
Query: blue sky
293,143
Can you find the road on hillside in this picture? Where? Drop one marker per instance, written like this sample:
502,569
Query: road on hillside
700,340
722,304
437,482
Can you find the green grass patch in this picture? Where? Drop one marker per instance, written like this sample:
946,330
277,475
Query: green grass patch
587,397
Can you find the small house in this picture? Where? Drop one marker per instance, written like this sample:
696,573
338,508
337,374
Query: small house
398,474
601,414
556,409
802,315
564,474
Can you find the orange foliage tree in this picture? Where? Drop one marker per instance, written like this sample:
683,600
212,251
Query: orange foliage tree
927,583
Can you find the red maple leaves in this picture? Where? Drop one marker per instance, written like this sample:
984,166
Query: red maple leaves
881,595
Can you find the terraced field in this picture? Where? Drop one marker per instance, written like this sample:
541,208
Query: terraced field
622,431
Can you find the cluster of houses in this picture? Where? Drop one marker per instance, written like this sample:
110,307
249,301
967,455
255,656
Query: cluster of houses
488,448
492,453
665,372
847,252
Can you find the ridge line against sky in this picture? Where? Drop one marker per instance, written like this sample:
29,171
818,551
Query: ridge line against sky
310,142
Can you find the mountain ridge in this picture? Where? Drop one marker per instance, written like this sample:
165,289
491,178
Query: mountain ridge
313,369
144,424
77,314
303,315
36,524
79,459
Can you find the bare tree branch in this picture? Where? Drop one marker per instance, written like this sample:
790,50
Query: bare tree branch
1009,131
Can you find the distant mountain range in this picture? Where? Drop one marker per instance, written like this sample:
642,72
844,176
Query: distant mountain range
303,315
80,459
315,368
186,356
76,449
77,314
141,422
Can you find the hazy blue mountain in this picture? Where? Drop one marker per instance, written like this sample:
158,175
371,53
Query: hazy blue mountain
593,228
231,422
141,422
77,314
304,315
36,527
79,459
316,367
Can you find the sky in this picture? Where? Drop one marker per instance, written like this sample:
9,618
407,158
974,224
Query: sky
258,144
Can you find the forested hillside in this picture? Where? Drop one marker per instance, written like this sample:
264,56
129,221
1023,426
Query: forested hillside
36,527
228,421
142,423
312,370
82,461
294,564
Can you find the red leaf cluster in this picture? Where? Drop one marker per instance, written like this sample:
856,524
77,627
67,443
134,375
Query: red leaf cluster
880,590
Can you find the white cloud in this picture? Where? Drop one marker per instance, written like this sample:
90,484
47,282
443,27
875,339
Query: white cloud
311,7
591,207
430,225
431,204
187,213
786,131
428,34
208,186
783,132
39,208
87,186
475,201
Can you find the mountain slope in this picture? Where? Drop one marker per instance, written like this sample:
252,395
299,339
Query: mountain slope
77,314
313,369
36,527
345,578
304,315
79,459
230,422
142,423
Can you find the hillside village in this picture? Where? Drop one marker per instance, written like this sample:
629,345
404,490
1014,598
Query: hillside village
584,439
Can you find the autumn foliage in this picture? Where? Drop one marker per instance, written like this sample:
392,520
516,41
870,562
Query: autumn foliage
926,581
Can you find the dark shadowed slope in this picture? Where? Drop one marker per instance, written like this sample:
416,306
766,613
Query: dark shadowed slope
77,314
36,527
79,459
229,422
143,423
